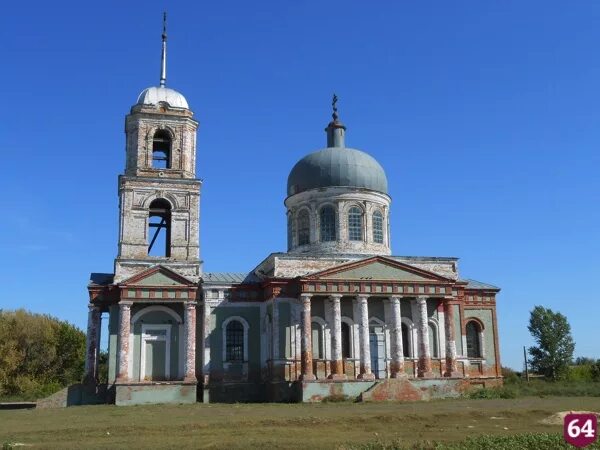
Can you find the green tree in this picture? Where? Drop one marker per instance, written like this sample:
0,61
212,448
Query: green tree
38,354
555,346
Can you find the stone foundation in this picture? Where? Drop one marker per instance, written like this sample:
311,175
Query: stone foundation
146,393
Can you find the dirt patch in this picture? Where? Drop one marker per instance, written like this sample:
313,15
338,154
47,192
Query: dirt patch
559,417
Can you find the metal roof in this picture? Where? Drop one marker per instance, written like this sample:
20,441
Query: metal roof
101,279
337,166
474,284
230,277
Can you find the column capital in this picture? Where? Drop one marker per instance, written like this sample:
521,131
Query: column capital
361,298
93,307
421,299
125,304
394,298
305,297
191,304
335,296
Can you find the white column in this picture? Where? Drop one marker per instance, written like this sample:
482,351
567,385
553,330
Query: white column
306,357
207,329
92,344
337,364
363,336
189,324
275,329
397,353
424,369
124,332
451,367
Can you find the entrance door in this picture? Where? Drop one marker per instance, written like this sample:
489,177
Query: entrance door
377,346
155,355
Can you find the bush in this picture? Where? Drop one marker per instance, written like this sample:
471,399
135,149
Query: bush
580,373
510,376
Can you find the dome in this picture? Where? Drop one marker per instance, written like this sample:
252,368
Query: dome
155,95
337,166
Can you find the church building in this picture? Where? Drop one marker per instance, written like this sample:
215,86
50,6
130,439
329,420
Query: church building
338,314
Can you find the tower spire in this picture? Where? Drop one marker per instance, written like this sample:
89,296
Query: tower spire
163,58
336,129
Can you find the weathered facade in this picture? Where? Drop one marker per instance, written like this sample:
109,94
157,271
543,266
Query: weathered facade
336,314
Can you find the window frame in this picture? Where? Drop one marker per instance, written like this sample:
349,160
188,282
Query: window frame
355,224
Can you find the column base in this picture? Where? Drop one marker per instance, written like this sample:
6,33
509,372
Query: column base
337,377
453,375
399,374
190,379
366,376
307,377
426,374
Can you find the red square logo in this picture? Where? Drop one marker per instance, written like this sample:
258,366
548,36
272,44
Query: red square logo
580,430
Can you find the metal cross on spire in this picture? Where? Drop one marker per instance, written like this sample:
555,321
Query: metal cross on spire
334,106
163,59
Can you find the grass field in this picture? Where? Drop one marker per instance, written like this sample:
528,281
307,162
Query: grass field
327,425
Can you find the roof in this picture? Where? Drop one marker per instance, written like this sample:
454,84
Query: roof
337,166
230,277
474,284
154,95
101,279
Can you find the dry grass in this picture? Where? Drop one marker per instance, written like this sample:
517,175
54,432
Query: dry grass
331,425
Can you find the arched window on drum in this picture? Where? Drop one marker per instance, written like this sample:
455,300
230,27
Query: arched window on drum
378,227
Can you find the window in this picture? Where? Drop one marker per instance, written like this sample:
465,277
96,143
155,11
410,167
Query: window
161,150
345,340
317,340
159,228
433,342
405,341
473,346
290,230
234,337
328,231
355,224
303,228
378,227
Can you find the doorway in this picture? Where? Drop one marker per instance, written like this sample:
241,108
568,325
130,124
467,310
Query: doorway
155,358
377,347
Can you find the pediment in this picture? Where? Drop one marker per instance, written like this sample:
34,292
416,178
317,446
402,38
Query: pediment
377,268
157,276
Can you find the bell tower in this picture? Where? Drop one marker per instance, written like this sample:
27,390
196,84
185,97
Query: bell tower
159,194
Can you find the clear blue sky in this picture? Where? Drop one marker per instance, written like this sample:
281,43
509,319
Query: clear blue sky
485,115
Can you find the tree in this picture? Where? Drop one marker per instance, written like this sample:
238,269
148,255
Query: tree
555,346
38,354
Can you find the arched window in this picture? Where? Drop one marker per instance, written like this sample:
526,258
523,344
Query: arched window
328,229
159,228
346,342
473,345
317,340
433,342
161,150
405,341
355,224
290,230
234,337
378,227
303,228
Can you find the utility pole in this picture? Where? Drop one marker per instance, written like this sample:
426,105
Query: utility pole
526,366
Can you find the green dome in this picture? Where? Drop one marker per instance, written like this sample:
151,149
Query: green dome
337,166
